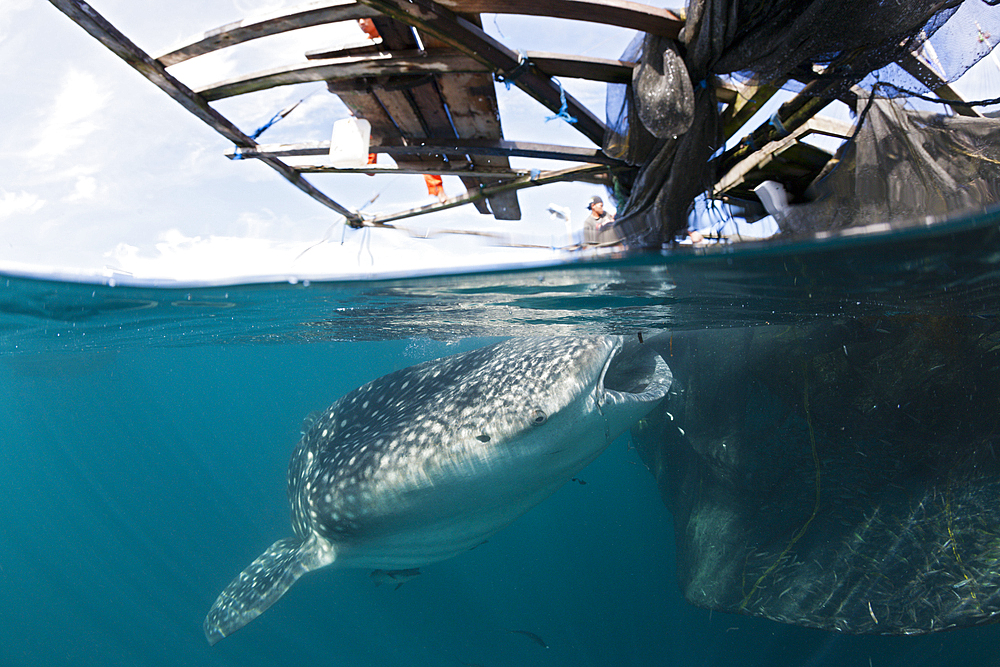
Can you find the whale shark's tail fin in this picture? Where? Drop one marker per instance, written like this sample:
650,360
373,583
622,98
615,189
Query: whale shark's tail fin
260,585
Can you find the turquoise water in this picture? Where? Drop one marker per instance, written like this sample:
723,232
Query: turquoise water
147,431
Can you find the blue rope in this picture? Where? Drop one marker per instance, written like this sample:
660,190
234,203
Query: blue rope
274,119
562,113
778,125
238,154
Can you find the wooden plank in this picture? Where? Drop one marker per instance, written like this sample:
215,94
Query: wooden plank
354,49
263,25
633,15
746,103
582,67
442,24
394,147
471,99
340,68
420,114
927,76
544,178
462,168
754,162
551,64
97,26
791,115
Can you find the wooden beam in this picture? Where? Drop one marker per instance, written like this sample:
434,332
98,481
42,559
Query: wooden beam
552,64
333,69
87,18
582,67
354,49
747,102
622,13
491,173
462,168
473,147
263,25
441,23
815,125
571,174
919,70
786,120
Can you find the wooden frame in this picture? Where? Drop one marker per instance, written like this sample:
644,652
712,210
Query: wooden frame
340,69
440,146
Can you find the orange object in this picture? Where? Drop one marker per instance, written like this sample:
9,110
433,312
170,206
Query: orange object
372,158
435,186
368,26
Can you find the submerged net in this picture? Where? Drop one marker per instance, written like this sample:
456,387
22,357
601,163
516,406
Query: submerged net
667,121
840,476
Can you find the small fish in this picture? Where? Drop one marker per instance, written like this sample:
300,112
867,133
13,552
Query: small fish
400,577
578,481
532,636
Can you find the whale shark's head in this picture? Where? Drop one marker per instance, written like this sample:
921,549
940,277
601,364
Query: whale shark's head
541,397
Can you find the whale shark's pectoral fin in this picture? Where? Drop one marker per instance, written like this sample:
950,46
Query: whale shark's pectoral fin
260,585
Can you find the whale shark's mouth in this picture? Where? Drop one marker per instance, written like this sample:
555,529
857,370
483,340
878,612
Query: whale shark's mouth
634,373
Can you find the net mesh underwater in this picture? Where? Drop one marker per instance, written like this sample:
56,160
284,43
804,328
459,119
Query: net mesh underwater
840,475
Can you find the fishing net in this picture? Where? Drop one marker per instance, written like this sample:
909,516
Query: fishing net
841,476
904,165
667,120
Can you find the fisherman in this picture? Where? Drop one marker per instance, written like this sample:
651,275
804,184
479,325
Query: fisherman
599,226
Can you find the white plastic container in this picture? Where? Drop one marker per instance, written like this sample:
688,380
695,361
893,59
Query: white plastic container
350,143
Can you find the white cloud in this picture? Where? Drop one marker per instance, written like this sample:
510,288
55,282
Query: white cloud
86,188
7,11
19,203
364,253
204,70
73,116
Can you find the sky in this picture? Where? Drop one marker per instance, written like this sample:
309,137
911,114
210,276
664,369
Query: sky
102,176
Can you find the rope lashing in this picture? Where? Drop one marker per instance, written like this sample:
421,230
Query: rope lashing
509,77
562,113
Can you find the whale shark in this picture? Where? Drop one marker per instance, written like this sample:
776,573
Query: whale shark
428,462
